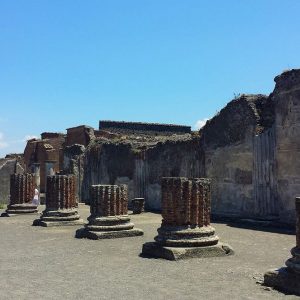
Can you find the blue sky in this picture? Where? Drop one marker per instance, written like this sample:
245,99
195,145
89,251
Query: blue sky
65,63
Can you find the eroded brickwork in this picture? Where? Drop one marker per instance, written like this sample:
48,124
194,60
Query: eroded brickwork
61,192
109,217
21,188
109,200
186,201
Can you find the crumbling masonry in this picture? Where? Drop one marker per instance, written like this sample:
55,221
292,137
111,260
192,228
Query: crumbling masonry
249,150
61,205
288,279
185,230
21,195
109,214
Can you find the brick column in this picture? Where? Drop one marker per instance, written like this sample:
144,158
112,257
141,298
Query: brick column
21,195
61,205
288,279
293,263
185,230
109,218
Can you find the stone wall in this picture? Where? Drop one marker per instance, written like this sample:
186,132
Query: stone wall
146,128
141,168
8,166
238,146
287,110
79,135
42,151
252,153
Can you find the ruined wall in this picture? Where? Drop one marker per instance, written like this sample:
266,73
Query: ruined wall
227,142
252,153
42,151
140,168
8,166
81,135
145,128
287,98
73,164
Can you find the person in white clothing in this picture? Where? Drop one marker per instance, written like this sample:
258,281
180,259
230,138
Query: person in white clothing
36,200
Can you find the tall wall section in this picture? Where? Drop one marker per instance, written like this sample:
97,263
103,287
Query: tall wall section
287,109
237,144
140,168
8,166
252,153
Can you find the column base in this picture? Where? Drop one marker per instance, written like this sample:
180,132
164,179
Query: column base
153,249
99,235
283,280
59,218
19,209
39,222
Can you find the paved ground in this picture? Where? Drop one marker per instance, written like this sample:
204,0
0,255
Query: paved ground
49,263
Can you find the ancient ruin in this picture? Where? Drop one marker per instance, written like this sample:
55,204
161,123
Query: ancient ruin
185,230
109,214
288,279
249,151
61,206
138,205
11,164
21,195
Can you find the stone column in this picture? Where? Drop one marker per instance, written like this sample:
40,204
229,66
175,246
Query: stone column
61,205
185,230
138,205
49,170
21,195
109,214
288,279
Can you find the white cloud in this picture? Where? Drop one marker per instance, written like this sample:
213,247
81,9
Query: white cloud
200,123
3,143
29,137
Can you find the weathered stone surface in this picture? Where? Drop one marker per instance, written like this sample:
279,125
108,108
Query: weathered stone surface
61,205
250,151
140,162
138,205
288,279
21,195
9,165
109,218
185,230
47,153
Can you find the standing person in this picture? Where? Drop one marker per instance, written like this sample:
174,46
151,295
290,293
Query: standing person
36,200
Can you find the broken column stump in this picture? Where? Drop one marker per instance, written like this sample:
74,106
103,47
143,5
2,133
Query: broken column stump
185,230
109,214
138,205
21,195
287,279
61,206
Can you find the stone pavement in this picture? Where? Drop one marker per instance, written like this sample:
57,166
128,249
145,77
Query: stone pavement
49,263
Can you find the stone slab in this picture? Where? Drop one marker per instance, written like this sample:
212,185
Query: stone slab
283,280
39,222
98,235
153,249
18,213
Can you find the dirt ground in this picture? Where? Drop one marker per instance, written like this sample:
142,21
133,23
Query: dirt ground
49,263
